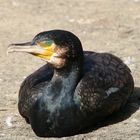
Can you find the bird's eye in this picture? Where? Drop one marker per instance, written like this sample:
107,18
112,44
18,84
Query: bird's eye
46,43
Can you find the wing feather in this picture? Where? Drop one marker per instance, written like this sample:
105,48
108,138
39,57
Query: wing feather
105,74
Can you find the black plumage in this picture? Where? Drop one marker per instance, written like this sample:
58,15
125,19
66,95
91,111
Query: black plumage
73,91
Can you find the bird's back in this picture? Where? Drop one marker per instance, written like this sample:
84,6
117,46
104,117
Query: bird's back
105,86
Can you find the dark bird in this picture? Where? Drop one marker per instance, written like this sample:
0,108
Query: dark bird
75,90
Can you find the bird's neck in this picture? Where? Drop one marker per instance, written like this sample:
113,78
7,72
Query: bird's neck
65,80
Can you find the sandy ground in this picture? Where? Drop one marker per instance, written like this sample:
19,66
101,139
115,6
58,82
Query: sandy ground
102,25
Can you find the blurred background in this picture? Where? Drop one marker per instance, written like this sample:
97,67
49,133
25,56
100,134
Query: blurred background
102,26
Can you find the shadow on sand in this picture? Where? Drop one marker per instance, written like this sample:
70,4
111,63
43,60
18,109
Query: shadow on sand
131,107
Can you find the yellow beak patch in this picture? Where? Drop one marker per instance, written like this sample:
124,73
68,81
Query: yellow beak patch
48,50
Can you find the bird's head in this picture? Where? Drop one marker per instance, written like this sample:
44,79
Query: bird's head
58,47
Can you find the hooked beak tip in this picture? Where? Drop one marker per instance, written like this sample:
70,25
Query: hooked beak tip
9,49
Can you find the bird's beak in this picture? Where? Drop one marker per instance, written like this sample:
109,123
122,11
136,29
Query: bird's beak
24,47
36,50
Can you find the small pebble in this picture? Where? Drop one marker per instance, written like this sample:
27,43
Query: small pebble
134,120
2,134
8,121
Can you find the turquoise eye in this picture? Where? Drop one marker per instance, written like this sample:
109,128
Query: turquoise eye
49,42
46,43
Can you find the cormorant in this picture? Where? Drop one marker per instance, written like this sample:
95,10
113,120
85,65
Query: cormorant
75,89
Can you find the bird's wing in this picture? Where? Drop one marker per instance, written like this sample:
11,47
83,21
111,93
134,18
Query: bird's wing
29,88
106,84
